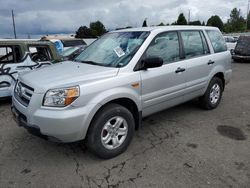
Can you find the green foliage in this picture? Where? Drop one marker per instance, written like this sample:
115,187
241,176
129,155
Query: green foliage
84,32
144,24
215,21
174,23
248,21
236,23
97,28
181,20
161,24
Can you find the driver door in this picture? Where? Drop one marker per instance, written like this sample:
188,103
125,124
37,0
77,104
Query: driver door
164,86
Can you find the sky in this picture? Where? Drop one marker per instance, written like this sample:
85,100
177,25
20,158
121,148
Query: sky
38,17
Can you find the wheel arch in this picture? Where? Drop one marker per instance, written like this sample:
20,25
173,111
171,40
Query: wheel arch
123,101
222,77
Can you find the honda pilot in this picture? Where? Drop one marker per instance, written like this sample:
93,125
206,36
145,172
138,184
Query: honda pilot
122,77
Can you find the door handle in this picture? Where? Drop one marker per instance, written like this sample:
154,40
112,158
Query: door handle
180,70
210,62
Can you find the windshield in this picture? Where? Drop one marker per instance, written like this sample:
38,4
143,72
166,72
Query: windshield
113,49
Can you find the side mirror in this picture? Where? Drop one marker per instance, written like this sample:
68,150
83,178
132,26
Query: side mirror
151,62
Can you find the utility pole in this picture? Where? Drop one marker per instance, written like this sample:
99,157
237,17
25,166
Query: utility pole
188,16
14,25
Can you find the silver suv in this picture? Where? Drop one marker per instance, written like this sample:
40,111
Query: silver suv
122,77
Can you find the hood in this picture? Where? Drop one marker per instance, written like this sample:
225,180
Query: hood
65,74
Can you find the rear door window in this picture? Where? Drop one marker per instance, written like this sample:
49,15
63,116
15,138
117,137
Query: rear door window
7,54
193,44
217,40
165,46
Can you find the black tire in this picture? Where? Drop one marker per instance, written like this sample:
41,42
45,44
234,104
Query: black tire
94,136
205,100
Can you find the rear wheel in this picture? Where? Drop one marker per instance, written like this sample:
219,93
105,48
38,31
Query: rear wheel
212,97
111,131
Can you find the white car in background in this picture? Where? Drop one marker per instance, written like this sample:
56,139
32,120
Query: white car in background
231,42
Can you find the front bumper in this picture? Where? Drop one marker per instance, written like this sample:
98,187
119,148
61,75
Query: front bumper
62,125
22,122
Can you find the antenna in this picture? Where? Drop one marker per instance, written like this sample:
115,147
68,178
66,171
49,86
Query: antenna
13,20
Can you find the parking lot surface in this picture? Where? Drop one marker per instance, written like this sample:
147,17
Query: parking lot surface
184,146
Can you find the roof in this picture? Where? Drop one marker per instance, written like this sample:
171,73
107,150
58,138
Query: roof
166,28
23,41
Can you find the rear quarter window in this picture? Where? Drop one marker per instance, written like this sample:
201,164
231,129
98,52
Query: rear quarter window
217,40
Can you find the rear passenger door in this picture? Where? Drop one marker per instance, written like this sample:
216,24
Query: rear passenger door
163,87
198,60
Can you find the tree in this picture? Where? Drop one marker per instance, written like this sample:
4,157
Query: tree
248,21
236,23
84,32
174,23
197,22
181,20
161,24
215,21
203,23
144,24
97,28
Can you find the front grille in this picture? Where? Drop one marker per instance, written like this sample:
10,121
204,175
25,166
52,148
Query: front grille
23,93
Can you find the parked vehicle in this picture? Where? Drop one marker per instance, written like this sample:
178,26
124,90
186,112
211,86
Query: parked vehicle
231,43
242,49
123,76
22,55
63,43
71,53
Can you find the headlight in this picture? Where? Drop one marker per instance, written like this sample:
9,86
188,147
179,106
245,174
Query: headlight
61,97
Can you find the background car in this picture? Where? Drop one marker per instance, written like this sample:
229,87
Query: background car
23,55
242,49
231,42
63,43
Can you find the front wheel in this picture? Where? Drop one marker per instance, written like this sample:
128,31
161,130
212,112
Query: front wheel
212,97
111,131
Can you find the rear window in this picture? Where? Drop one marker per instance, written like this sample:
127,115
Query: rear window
217,40
69,43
